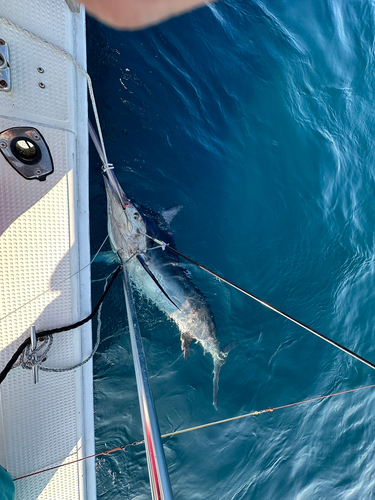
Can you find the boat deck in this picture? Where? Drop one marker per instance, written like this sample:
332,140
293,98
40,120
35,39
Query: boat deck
44,240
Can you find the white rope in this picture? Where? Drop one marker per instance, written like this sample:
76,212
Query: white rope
108,166
95,348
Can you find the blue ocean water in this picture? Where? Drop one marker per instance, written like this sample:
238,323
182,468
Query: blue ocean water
258,118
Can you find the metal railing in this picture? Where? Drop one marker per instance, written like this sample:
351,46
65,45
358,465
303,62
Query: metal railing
157,467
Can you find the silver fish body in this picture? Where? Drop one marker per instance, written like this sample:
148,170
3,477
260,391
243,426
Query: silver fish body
158,273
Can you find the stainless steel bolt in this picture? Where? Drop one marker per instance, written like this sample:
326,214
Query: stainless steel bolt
36,136
41,85
3,145
40,70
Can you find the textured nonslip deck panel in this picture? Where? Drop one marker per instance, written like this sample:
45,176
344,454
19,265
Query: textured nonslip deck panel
43,425
34,259
45,18
51,24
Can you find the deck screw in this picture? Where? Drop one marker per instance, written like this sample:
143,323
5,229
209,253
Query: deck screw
40,70
41,85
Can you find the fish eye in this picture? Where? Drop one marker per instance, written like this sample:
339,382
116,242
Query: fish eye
136,215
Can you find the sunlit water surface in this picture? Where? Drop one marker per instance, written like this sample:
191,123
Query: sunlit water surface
258,118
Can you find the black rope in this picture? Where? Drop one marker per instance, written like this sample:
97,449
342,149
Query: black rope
61,329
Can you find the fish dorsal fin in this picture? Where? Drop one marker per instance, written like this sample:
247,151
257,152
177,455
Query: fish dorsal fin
170,213
153,277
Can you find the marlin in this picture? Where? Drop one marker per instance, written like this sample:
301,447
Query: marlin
158,273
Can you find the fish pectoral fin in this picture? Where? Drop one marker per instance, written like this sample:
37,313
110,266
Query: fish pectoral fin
185,344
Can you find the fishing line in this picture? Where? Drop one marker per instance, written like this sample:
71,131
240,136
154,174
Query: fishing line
265,304
197,427
106,452
267,410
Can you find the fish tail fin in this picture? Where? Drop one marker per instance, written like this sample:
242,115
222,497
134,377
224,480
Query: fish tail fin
218,363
